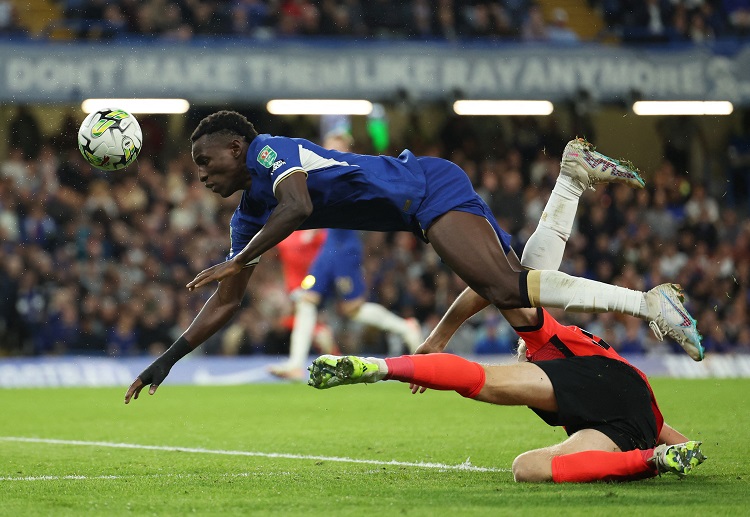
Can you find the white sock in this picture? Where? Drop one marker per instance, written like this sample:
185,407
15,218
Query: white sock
382,367
556,289
545,247
379,317
305,317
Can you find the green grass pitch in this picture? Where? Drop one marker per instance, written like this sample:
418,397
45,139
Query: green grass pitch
315,432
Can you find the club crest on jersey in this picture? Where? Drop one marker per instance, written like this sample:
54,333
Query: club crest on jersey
267,156
277,164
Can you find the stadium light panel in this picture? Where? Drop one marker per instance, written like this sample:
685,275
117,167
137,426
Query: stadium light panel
483,107
138,105
319,107
682,107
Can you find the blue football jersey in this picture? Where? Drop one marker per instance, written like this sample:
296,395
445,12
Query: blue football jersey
348,191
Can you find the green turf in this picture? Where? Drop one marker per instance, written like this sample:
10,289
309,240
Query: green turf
381,423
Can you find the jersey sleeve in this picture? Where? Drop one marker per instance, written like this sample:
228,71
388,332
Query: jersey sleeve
278,158
241,232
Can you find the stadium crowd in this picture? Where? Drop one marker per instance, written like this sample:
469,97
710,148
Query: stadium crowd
96,263
639,21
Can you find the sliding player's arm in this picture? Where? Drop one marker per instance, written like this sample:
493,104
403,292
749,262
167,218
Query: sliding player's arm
464,307
670,436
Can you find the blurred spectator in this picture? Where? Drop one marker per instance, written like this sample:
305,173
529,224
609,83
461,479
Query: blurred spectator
743,341
38,228
251,18
208,19
60,331
496,336
508,202
633,339
487,20
534,27
699,31
701,207
738,157
662,222
342,18
650,20
9,25
122,336
558,31
25,133
384,18
738,14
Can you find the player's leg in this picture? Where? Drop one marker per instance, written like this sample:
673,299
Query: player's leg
316,286
375,315
536,465
487,271
607,407
581,167
590,455
351,289
305,317
522,384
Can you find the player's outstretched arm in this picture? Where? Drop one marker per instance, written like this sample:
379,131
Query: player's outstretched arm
217,311
294,207
464,307
670,436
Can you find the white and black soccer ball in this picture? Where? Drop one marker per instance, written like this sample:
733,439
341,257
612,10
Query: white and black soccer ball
110,139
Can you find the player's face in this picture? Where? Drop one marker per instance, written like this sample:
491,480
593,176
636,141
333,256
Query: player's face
221,163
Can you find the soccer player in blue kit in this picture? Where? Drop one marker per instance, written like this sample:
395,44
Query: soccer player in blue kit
337,272
291,183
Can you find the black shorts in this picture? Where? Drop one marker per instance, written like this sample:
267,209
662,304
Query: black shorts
596,392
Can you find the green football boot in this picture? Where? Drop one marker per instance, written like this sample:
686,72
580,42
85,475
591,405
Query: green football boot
328,371
678,459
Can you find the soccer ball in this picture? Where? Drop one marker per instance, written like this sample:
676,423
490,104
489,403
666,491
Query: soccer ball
110,139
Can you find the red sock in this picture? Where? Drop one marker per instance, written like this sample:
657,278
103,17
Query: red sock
582,467
438,372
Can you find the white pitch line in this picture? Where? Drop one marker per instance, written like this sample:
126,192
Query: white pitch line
75,477
56,478
466,466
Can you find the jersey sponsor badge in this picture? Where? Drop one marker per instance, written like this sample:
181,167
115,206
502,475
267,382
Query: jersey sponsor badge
277,164
267,156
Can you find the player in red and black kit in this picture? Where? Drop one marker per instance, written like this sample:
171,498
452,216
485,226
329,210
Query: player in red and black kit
570,378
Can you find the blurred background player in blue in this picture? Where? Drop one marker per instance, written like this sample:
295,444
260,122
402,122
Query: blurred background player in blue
336,272
296,254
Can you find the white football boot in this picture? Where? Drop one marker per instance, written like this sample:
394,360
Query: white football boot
670,318
581,162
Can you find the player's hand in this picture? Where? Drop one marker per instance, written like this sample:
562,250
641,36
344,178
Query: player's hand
430,346
153,376
416,388
215,273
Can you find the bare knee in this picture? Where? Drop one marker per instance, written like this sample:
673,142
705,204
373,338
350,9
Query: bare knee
532,467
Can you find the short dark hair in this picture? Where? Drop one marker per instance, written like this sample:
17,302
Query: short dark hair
226,122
